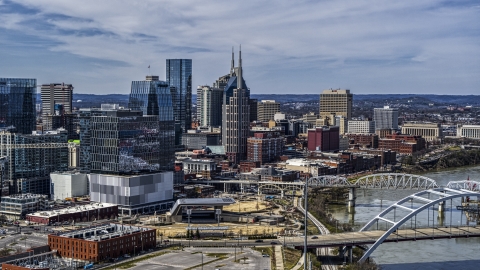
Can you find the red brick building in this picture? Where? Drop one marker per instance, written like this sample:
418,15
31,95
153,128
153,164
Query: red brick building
324,139
265,147
403,144
363,140
102,242
247,166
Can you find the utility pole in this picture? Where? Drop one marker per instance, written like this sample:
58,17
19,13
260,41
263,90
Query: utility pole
305,195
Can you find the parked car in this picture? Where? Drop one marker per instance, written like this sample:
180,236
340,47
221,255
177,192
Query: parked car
126,256
265,255
315,237
259,241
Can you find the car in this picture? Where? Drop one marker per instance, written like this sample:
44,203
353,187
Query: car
126,256
315,237
259,241
273,243
37,229
265,255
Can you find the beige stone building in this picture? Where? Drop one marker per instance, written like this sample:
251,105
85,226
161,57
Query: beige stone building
429,131
337,102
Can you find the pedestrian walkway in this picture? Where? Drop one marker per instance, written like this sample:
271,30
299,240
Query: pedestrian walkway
278,258
299,263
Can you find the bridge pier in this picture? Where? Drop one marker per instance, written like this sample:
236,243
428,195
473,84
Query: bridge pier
352,196
282,193
441,209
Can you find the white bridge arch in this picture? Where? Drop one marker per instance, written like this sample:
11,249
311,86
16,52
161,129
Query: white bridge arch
444,194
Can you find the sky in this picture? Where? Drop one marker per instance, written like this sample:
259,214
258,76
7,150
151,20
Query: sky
288,47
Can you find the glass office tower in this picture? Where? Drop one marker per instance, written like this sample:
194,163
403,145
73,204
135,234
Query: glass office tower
17,104
179,77
153,97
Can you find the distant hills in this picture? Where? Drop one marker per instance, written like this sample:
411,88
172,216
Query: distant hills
90,100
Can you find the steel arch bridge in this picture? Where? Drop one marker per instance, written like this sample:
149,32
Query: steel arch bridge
395,181
443,194
465,185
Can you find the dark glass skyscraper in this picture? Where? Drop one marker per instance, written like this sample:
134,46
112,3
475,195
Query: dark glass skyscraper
17,104
125,141
153,97
179,78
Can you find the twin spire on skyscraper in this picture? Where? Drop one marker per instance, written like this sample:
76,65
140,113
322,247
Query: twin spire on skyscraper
239,69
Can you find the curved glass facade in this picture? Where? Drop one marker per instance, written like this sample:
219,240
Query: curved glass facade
17,104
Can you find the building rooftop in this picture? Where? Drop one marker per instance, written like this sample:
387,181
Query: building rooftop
72,209
103,232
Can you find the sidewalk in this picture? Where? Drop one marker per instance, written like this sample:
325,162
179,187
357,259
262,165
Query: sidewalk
278,258
299,263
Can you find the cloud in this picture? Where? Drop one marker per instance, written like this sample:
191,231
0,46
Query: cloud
367,45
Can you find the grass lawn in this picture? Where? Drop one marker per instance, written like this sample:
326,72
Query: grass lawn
291,257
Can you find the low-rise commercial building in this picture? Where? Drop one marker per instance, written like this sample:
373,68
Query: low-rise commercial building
89,212
19,205
203,167
102,242
363,140
403,144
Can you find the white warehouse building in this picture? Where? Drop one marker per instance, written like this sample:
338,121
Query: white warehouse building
68,184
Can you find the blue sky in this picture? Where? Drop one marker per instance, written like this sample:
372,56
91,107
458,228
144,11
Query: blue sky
288,47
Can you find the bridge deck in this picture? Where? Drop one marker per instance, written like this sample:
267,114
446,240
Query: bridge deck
350,238
369,237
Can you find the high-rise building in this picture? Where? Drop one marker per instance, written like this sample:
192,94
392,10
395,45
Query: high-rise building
385,118
253,103
361,126
209,106
17,104
236,115
179,78
324,139
56,93
125,141
265,147
336,102
85,124
32,157
266,110
153,97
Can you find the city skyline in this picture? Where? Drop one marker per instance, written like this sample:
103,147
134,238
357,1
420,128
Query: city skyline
370,47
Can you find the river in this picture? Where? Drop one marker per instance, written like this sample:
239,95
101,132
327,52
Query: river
428,254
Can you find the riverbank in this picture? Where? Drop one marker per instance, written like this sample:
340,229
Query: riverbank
454,159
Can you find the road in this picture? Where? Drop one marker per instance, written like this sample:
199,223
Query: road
23,241
191,257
